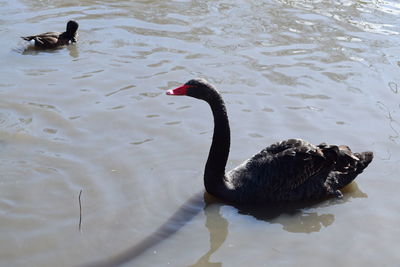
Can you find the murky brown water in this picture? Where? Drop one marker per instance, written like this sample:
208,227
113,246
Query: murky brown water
94,117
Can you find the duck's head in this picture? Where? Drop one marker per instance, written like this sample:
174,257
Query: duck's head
72,26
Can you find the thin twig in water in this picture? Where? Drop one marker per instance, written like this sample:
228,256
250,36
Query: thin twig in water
80,211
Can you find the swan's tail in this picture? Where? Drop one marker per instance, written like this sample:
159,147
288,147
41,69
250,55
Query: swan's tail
348,166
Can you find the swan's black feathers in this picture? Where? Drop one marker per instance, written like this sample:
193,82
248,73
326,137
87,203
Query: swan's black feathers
290,143
295,169
280,168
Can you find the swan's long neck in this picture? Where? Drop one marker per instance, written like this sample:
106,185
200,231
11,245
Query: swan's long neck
219,151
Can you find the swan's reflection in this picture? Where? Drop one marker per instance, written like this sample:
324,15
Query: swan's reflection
293,217
297,217
218,228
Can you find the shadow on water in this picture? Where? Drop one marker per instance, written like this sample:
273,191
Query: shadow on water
294,217
184,214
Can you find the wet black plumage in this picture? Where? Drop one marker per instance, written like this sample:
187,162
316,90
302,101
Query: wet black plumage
285,171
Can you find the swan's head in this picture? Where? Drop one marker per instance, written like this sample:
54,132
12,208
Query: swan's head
197,88
72,26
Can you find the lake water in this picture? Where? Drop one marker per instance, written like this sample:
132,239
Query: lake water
94,117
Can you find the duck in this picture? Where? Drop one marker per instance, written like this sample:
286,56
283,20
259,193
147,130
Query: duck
286,171
56,39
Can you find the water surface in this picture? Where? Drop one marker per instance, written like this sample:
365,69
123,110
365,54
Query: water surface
94,117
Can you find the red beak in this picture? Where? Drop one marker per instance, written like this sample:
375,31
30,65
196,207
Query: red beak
182,90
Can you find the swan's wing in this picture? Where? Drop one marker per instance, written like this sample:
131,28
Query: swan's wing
283,167
290,143
294,165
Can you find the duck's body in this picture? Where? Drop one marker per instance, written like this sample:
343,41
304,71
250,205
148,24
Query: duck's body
56,39
286,171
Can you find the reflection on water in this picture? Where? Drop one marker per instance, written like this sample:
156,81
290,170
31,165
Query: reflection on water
296,217
32,50
218,229
356,13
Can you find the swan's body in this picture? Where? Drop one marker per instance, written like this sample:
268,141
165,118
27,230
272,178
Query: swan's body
56,39
286,171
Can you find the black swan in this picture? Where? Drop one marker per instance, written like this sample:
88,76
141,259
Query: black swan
289,170
55,39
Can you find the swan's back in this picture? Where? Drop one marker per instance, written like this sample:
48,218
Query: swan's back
294,170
